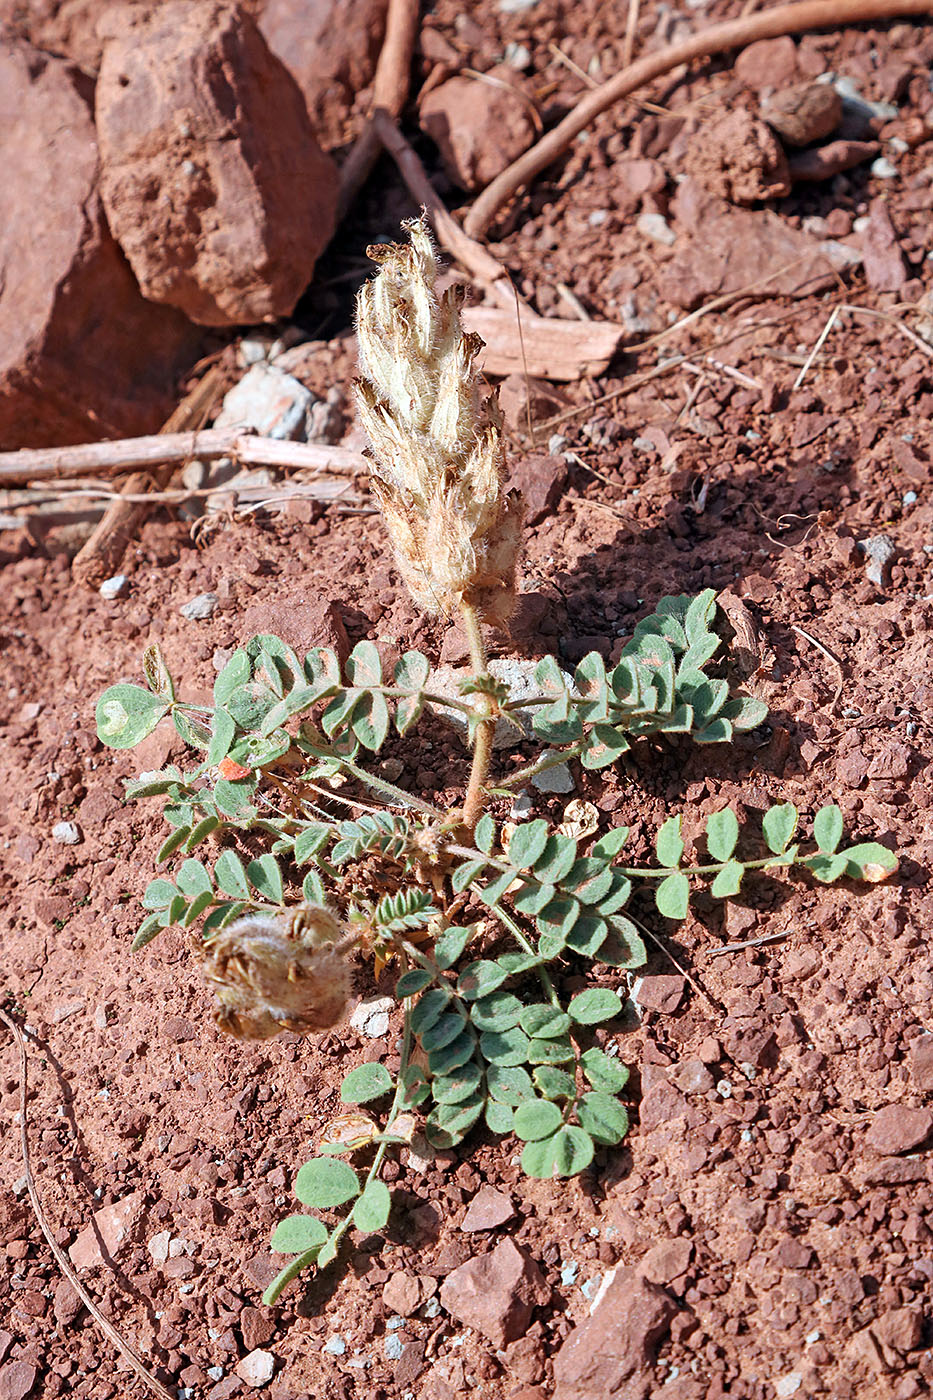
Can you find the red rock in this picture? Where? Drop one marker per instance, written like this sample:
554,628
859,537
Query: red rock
692,1077
898,1128
768,63
488,1209
892,762
68,372
608,1357
666,1261
402,1294
214,184
638,177
479,128
318,622
754,1047
66,1305
738,158
257,1326
496,1293
921,1063
901,1329
884,262
661,1104
17,1379
826,161
112,1228
661,993
541,480
803,114
734,248
330,48
793,1254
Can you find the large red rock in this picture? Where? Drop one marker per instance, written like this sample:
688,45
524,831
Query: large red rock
610,1355
330,47
214,184
82,355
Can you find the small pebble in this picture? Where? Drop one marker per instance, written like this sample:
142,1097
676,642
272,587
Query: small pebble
114,587
909,498
393,1347
216,1373
335,1345
642,444
882,169
556,444
66,833
879,550
724,1089
257,1368
199,608
371,1018
517,56
656,227
556,779
523,804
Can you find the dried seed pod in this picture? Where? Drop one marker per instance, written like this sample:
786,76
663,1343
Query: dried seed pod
439,458
272,973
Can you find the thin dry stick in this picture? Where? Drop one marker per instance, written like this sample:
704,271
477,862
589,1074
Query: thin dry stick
830,656
390,93
125,454
100,556
473,256
127,1351
631,24
796,18
820,342
750,943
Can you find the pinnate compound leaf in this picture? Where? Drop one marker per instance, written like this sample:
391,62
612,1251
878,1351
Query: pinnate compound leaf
125,714
325,1182
779,825
536,1119
371,1211
722,834
567,1152
364,1083
594,1005
673,896
298,1233
827,828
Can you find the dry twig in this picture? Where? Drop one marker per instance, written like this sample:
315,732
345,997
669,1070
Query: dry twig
125,454
830,656
750,943
472,255
796,18
128,1352
390,93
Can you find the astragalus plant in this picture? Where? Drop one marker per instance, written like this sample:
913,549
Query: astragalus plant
312,870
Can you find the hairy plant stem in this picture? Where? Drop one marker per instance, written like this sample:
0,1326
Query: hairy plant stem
476,794
544,976
397,794
550,760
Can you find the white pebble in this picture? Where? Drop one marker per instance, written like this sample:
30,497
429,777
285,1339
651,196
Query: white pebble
199,608
257,1368
393,1347
66,833
114,587
882,169
656,227
158,1246
371,1018
335,1345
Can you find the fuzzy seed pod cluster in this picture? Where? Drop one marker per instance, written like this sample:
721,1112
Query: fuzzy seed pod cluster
272,973
439,458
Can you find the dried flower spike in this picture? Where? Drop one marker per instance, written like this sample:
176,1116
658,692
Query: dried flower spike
272,973
439,472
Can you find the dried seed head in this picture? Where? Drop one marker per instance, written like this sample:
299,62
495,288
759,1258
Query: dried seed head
274,973
439,459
